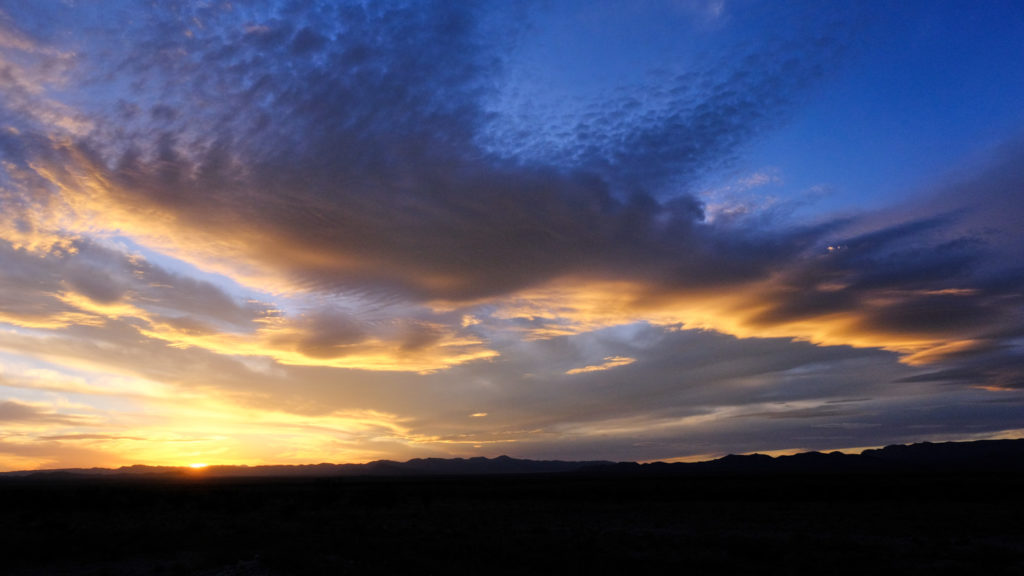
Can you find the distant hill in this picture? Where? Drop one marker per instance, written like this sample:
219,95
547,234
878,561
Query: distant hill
502,465
946,457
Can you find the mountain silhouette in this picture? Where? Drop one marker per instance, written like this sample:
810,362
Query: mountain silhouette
945,508
948,457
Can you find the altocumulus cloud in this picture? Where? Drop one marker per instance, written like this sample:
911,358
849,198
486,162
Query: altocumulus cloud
334,189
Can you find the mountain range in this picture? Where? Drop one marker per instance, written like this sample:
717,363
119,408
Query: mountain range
945,457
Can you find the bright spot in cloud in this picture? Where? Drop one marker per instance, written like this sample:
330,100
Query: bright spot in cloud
609,363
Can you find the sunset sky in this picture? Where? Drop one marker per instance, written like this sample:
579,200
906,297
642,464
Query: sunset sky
290,232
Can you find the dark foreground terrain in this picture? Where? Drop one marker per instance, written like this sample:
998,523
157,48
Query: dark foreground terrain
860,523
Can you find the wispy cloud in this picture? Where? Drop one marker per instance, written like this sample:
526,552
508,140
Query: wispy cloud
609,363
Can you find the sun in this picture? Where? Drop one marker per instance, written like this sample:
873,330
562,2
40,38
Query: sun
198,465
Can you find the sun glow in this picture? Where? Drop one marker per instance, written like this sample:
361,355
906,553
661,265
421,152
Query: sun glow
197,465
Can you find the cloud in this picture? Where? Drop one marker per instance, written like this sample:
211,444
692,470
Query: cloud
357,168
88,437
609,363
370,179
692,392
411,247
13,412
122,295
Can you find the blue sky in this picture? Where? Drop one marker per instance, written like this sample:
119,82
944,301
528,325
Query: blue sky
925,89
302,232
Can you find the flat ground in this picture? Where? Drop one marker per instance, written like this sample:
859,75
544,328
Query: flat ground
912,524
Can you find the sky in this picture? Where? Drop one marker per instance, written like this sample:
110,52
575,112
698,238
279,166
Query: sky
301,232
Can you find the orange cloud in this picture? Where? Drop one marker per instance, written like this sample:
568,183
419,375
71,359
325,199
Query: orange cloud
609,363
568,307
